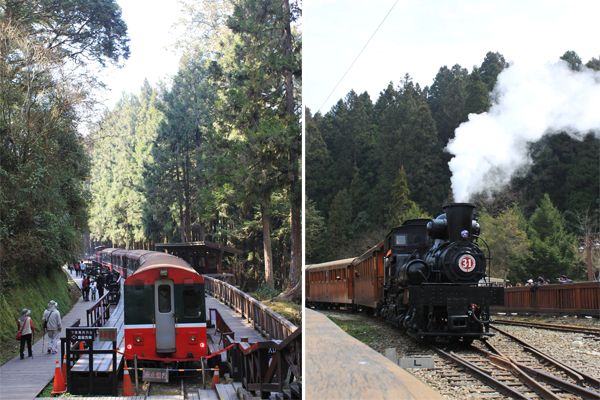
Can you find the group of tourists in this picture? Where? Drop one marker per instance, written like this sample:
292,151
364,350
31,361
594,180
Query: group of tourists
51,324
92,287
80,268
51,321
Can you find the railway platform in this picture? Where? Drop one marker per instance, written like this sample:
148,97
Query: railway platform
340,367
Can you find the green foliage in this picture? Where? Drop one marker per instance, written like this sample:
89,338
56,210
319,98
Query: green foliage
77,29
264,292
42,160
400,203
34,294
508,244
314,229
573,60
340,215
552,247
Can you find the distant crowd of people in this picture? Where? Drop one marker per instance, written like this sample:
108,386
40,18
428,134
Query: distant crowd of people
541,281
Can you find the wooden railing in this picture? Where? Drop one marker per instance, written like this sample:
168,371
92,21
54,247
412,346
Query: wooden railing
99,313
266,367
266,321
557,299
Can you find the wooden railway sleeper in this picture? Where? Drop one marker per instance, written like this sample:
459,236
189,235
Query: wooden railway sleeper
501,359
573,372
554,381
485,378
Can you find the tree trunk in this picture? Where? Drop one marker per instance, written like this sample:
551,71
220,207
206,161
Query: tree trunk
296,215
294,294
267,247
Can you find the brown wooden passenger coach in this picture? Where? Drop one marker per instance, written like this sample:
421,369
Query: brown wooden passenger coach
330,283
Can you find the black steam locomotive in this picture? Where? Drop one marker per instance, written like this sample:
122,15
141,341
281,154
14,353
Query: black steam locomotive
433,282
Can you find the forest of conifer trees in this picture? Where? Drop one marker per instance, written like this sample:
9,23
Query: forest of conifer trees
372,164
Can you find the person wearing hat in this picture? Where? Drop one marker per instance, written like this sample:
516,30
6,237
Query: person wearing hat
26,330
53,326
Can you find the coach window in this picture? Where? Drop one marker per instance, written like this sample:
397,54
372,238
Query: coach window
164,298
192,303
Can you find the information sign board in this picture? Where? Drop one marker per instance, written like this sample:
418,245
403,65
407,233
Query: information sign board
107,334
155,375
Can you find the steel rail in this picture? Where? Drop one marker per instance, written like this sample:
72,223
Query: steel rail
482,376
573,372
591,331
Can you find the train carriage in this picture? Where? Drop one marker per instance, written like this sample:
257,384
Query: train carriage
165,318
330,283
368,271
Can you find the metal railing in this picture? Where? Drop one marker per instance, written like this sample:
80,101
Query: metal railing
266,321
557,299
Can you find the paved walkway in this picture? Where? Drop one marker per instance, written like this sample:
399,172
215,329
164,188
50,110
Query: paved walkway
25,379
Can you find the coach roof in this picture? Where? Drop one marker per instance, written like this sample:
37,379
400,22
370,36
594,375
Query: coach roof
329,265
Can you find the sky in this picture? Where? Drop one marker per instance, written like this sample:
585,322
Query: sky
150,29
420,37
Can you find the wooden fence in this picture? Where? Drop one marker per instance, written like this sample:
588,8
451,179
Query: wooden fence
271,325
582,299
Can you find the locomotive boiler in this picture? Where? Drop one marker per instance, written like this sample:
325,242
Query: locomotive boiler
432,273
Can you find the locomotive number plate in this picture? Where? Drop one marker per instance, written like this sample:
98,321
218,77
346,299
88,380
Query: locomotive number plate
466,263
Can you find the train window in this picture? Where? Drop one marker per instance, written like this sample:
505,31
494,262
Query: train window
164,298
192,303
400,240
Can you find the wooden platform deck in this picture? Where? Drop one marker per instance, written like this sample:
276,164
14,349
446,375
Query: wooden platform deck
240,327
103,363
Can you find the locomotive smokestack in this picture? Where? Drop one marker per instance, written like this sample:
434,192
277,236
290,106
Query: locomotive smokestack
460,218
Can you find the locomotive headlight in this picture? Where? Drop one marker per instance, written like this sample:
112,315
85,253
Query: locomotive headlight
164,272
193,338
139,340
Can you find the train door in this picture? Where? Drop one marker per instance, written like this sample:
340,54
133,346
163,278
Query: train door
164,312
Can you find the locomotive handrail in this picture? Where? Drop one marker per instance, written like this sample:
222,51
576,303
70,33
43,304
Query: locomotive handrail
268,322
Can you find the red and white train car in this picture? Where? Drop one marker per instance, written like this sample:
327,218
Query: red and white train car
165,317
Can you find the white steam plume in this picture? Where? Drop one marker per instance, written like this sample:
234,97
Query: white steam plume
491,146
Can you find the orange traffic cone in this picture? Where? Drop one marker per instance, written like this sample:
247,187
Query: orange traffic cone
216,378
127,388
64,369
59,384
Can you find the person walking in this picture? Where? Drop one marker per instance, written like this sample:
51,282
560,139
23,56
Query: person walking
85,287
100,285
52,322
77,269
26,330
93,290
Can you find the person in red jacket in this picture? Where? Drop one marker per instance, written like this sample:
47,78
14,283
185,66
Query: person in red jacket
26,329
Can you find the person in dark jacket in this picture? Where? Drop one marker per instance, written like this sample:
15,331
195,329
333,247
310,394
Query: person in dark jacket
27,330
100,285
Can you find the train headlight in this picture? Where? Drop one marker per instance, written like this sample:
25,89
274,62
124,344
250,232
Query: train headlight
139,340
164,272
192,337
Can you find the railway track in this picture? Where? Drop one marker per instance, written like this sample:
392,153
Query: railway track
514,368
589,331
